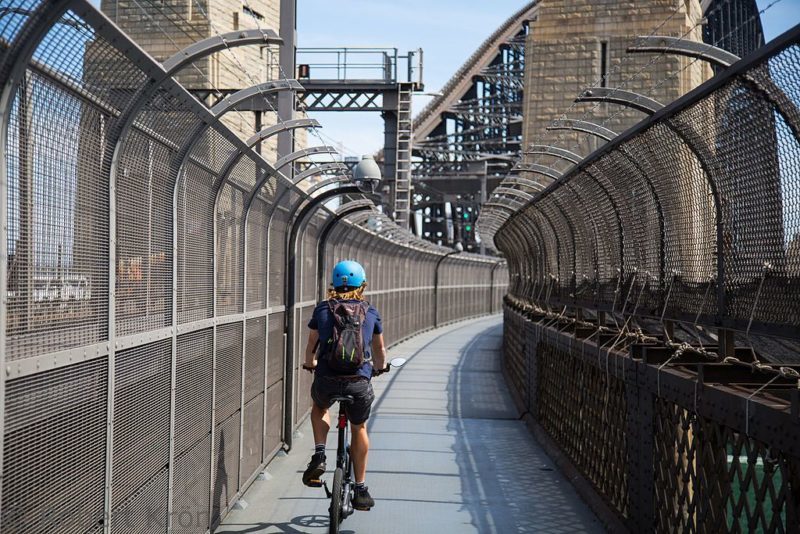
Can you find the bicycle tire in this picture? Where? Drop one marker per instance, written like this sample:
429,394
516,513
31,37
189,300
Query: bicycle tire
335,511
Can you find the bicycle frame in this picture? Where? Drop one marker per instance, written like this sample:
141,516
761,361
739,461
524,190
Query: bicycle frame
343,460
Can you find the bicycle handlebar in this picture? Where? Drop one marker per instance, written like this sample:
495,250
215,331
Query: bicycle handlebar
375,372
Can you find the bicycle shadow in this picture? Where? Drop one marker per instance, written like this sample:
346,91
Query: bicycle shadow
292,526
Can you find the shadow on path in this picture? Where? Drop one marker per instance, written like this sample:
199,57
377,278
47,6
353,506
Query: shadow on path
508,484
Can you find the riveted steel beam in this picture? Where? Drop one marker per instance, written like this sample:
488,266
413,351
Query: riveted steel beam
674,45
583,126
623,98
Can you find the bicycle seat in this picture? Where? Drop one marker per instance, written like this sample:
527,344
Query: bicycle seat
344,399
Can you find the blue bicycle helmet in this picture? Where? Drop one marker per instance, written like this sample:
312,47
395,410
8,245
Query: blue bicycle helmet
348,275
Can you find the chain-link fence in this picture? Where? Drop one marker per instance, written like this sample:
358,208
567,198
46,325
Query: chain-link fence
156,278
652,325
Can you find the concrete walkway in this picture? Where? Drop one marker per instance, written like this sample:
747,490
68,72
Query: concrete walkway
448,454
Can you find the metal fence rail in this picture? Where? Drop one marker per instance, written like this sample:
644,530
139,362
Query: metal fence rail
149,347
652,323
690,216
685,448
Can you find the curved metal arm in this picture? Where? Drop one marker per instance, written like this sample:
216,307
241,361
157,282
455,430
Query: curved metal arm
265,134
298,154
284,126
509,191
544,170
215,43
234,158
673,45
583,126
260,90
519,180
344,211
506,207
322,168
221,109
623,98
554,151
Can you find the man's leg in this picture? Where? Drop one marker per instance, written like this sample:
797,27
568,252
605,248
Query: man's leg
320,423
359,450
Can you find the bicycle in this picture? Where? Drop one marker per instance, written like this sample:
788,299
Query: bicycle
341,492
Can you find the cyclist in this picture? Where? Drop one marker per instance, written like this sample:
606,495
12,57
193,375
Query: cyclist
347,287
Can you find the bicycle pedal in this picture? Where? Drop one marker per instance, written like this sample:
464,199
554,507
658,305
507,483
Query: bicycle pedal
314,484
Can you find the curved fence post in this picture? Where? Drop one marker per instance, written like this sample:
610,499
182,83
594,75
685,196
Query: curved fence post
290,319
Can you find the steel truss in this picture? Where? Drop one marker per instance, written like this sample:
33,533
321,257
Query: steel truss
481,126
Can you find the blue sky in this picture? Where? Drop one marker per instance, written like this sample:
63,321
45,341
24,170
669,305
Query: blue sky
448,31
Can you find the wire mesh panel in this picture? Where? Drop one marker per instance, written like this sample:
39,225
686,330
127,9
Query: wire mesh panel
257,256
228,380
277,256
253,436
144,232
255,357
230,250
57,236
225,468
195,202
141,418
145,510
275,370
699,202
191,489
54,449
193,381
711,478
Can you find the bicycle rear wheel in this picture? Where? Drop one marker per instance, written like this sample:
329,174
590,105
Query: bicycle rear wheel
336,501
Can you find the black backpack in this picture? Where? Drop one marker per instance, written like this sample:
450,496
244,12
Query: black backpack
346,351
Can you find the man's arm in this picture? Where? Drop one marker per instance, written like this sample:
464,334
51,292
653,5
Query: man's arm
311,348
378,352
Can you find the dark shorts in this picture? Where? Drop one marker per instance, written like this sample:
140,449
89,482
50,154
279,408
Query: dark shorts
324,388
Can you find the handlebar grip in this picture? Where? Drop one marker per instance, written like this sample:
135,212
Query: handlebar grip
378,372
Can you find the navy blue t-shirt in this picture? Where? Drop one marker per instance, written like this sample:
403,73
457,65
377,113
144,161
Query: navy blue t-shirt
322,321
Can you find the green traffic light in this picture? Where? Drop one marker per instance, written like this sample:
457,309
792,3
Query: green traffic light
468,228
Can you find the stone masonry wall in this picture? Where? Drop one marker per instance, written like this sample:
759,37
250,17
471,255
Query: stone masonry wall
563,58
165,26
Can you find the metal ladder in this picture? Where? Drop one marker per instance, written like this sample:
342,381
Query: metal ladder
402,190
